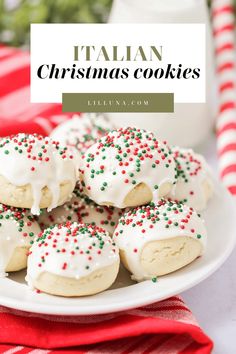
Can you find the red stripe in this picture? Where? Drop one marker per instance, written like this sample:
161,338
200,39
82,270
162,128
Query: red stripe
162,303
228,169
10,50
195,348
15,51
222,29
224,47
16,81
160,340
135,344
232,189
165,302
45,112
25,350
226,66
228,126
70,351
227,148
4,347
223,9
7,56
175,298
165,308
226,86
227,105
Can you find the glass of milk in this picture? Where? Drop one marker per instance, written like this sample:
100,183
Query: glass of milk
191,123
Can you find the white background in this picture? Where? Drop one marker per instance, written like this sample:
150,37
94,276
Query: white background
182,44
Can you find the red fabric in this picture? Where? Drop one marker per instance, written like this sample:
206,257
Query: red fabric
165,327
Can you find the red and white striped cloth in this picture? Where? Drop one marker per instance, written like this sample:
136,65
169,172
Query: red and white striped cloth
223,21
166,327
15,106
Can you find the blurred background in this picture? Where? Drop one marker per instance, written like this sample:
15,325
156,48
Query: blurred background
192,123
16,15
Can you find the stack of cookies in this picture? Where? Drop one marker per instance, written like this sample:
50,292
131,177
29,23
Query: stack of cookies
77,202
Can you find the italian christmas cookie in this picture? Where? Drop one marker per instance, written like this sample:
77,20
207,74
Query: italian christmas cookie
80,132
17,230
73,260
126,168
194,183
35,172
158,239
82,210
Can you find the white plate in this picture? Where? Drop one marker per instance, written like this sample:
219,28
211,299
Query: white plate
221,224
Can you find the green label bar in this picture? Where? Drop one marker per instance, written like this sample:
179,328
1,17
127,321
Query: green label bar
118,102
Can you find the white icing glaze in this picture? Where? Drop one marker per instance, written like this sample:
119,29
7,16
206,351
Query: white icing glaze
17,229
194,183
123,159
72,250
80,132
156,222
40,162
82,210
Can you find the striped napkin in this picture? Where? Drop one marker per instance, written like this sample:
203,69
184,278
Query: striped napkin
166,327
15,103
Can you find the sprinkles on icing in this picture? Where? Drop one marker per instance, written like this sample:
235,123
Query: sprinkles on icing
17,230
38,161
20,217
172,215
81,132
165,219
123,159
192,173
72,250
25,143
187,165
83,210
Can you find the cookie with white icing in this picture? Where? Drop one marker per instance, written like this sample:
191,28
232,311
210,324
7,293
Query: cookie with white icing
194,183
82,210
73,260
35,172
80,132
127,167
17,230
158,239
